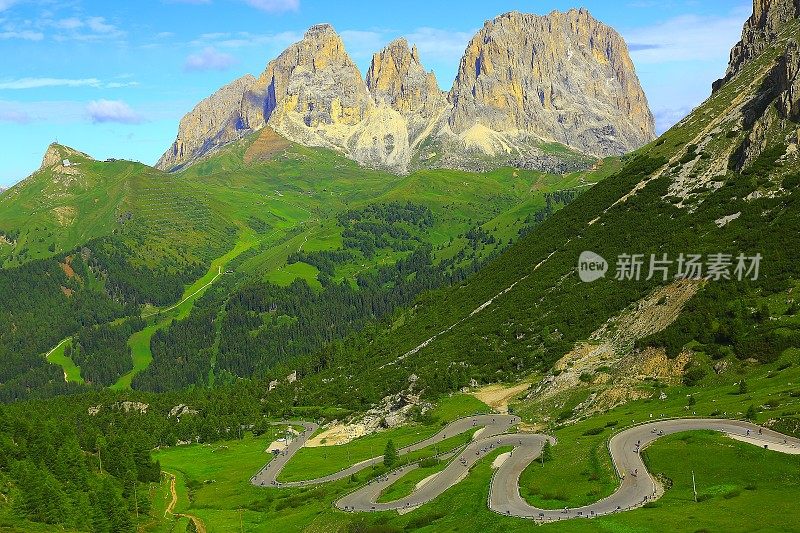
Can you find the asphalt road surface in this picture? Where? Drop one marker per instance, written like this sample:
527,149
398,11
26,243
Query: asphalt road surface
637,486
268,476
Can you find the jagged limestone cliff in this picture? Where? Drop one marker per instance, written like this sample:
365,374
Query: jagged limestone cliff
754,130
396,77
214,122
525,82
564,77
317,97
762,28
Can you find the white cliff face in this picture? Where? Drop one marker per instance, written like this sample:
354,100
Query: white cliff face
524,80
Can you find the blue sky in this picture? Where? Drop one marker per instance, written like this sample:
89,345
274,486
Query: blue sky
113,78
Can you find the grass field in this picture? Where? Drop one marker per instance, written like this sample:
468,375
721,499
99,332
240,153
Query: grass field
406,484
735,481
310,463
72,372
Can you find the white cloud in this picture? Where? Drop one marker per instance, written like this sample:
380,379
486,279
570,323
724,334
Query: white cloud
112,111
99,25
119,84
74,111
70,23
26,35
668,117
363,43
38,83
435,44
686,38
439,44
245,39
5,4
16,116
275,6
83,29
209,59
50,111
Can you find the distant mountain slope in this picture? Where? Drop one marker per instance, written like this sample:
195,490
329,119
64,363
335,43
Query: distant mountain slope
525,84
73,199
259,222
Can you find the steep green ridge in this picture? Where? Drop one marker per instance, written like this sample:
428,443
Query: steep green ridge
58,208
672,197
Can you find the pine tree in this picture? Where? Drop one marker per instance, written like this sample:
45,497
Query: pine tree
390,454
547,452
743,387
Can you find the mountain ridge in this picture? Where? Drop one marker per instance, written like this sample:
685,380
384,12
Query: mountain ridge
583,95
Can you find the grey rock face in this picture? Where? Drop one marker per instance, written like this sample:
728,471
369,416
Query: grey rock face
219,119
564,77
315,82
396,77
524,81
317,97
761,29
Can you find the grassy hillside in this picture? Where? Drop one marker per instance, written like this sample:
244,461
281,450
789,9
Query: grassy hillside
153,240
684,193
733,479
201,308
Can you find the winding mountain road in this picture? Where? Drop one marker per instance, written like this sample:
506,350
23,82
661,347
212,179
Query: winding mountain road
268,476
637,485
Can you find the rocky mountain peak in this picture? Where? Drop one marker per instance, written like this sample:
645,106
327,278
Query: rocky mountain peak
396,77
524,81
52,157
318,31
315,96
57,153
214,122
764,26
314,82
771,109
564,77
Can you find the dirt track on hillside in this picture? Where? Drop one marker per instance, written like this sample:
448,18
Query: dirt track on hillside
198,524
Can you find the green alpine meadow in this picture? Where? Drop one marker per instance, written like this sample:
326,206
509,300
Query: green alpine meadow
351,296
